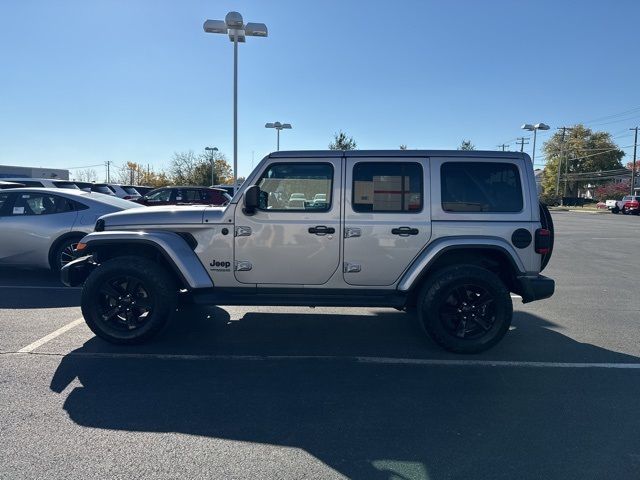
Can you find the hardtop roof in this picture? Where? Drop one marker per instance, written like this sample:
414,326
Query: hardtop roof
398,153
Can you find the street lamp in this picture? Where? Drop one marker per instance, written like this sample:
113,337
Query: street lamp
534,129
211,149
278,126
234,26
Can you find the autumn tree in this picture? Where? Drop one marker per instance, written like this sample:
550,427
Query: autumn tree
188,168
582,151
342,142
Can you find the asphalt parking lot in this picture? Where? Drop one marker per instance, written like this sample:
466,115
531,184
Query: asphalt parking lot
275,393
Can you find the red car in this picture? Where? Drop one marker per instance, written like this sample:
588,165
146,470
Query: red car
631,204
185,196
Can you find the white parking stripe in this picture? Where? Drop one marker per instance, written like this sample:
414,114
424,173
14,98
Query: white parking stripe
365,360
38,343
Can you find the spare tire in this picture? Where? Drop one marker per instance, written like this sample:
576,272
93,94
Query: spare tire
547,222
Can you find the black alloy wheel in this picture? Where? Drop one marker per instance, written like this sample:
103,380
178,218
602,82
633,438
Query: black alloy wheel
129,299
465,308
468,311
124,302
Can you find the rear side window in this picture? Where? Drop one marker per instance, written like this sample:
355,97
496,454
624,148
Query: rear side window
387,187
40,204
480,187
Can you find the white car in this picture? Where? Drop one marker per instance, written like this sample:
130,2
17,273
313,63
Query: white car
43,182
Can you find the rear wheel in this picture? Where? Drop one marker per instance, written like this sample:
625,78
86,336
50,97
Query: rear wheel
465,309
128,300
63,253
615,210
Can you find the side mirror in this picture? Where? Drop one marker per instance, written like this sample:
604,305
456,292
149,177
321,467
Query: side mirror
251,199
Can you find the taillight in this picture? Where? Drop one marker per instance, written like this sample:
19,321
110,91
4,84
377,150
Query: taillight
543,241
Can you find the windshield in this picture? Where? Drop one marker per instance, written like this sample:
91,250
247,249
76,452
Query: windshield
131,190
70,185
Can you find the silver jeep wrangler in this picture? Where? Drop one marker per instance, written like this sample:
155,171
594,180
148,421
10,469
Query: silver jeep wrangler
445,234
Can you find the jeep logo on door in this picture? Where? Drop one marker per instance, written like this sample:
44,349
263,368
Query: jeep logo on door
220,266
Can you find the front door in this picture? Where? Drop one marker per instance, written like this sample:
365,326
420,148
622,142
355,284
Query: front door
387,217
294,236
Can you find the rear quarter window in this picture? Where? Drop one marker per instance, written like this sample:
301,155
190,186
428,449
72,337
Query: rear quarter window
481,187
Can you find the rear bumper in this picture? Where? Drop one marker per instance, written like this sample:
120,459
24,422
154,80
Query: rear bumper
76,272
534,288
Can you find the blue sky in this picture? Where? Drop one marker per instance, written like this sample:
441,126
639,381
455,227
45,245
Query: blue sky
83,82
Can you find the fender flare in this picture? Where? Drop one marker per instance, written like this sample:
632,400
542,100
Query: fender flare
437,248
173,248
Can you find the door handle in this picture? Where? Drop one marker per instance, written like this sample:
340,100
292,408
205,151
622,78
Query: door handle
321,230
405,231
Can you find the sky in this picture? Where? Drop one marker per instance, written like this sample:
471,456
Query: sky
86,82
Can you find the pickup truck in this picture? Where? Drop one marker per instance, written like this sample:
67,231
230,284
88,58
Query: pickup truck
628,204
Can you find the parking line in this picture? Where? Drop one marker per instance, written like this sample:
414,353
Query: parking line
356,359
38,343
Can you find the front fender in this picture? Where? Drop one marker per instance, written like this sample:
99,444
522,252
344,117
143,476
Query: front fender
173,248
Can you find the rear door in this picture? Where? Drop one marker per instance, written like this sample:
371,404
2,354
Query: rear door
387,219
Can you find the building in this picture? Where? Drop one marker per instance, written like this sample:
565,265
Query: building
9,171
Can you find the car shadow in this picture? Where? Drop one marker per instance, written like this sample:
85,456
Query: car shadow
365,420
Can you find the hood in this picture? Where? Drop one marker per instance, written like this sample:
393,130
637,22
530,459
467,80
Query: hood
172,215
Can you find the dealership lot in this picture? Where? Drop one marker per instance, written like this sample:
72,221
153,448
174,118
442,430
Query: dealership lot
244,392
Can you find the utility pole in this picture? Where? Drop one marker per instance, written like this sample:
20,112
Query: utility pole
522,141
503,146
108,163
564,130
635,146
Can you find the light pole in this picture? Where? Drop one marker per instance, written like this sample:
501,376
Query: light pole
278,126
212,149
534,129
234,26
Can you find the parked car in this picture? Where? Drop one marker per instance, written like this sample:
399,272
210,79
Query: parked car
95,187
4,185
227,188
185,196
445,234
141,189
40,227
43,182
628,204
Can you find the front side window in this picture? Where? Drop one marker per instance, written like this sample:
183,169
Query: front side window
40,204
297,186
387,187
480,187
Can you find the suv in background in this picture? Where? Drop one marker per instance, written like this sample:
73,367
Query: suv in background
446,234
185,196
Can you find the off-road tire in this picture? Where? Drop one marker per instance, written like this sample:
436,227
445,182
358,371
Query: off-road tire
159,286
437,292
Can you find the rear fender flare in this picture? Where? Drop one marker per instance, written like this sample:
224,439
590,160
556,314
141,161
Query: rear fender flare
414,274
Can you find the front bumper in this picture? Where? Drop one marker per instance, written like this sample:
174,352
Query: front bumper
76,272
534,287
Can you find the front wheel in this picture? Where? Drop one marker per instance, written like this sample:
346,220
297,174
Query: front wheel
465,309
128,300
615,210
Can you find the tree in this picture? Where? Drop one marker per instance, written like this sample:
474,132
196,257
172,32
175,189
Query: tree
187,168
583,151
87,175
466,145
612,191
342,142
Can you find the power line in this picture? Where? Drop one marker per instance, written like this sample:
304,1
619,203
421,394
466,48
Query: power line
522,141
86,166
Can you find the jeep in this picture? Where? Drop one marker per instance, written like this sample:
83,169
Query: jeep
444,235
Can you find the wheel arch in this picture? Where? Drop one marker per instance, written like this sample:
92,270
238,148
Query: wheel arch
494,258
169,249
